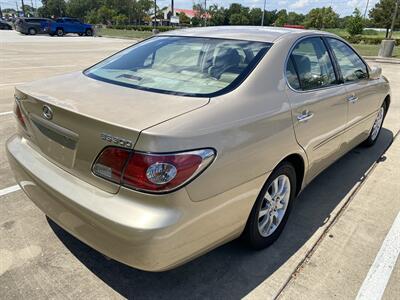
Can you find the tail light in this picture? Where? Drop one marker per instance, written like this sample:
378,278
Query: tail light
19,115
151,172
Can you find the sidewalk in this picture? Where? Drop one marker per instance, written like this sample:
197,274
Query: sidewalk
342,260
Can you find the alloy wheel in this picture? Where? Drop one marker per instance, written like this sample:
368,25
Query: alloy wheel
378,123
274,205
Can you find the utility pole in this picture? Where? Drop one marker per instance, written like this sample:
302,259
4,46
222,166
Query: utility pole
23,8
172,7
155,13
263,14
394,19
205,13
366,9
1,12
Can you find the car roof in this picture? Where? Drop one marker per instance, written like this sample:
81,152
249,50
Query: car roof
249,33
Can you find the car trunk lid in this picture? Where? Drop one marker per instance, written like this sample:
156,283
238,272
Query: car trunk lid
71,118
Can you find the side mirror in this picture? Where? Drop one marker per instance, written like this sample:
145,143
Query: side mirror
375,72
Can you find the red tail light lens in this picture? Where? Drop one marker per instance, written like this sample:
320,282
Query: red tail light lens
150,172
19,115
110,163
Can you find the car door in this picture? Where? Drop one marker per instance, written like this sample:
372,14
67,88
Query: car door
361,95
319,108
68,25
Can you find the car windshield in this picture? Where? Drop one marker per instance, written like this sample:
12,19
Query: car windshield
182,65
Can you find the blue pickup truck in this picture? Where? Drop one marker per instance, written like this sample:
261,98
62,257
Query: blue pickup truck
63,26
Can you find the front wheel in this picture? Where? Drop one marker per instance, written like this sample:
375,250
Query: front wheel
89,32
376,128
272,208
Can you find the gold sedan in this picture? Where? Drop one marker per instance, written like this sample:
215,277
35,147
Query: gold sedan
192,138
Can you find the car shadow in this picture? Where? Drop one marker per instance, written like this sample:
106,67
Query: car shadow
232,270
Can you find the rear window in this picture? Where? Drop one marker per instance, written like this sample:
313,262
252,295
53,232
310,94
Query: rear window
182,65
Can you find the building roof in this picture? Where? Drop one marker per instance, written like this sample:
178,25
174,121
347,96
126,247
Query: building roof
189,12
250,33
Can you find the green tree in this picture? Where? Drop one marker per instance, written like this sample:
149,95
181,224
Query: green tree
52,8
382,15
183,18
282,18
355,23
105,15
80,8
295,18
217,15
238,19
255,16
321,18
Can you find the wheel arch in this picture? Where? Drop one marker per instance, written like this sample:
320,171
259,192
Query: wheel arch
299,165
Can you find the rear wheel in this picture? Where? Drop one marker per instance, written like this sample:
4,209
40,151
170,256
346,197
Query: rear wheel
376,128
60,32
272,208
80,34
32,31
89,32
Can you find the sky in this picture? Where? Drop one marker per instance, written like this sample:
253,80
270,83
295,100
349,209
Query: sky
342,7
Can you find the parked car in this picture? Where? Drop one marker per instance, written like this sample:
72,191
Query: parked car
5,25
32,26
70,25
191,138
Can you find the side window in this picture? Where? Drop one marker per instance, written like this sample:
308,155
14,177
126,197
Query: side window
351,65
311,60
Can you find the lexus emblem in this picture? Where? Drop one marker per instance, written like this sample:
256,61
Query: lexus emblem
47,113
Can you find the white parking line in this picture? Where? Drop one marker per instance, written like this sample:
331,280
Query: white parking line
5,113
36,67
9,190
11,83
378,276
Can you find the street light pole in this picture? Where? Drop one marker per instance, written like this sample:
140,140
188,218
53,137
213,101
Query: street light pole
23,7
205,13
394,19
263,14
155,13
366,9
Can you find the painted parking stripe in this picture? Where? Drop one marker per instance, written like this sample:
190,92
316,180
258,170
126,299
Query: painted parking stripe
11,83
378,276
9,190
5,113
37,67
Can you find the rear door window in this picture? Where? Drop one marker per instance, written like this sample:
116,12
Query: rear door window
311,63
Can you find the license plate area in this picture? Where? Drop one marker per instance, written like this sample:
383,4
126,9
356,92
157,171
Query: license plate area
56,142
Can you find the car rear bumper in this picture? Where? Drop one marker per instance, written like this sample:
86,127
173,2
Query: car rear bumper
148,232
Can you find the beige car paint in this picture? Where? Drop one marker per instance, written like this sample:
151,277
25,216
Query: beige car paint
252,128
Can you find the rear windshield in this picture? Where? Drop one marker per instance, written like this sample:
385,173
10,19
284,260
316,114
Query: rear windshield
182,65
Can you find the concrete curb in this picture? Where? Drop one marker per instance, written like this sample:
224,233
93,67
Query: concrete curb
388,60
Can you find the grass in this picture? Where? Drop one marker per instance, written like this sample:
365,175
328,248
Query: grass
126,34
367,33
372,50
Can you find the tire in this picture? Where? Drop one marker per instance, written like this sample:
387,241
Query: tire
376,127
89,32
257,236
32,31
59,32
80,34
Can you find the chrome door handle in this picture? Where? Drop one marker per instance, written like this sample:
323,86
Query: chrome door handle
352,99
305,116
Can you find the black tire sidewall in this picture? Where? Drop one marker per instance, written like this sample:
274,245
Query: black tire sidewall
32,31
58,32
89,32
251,233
